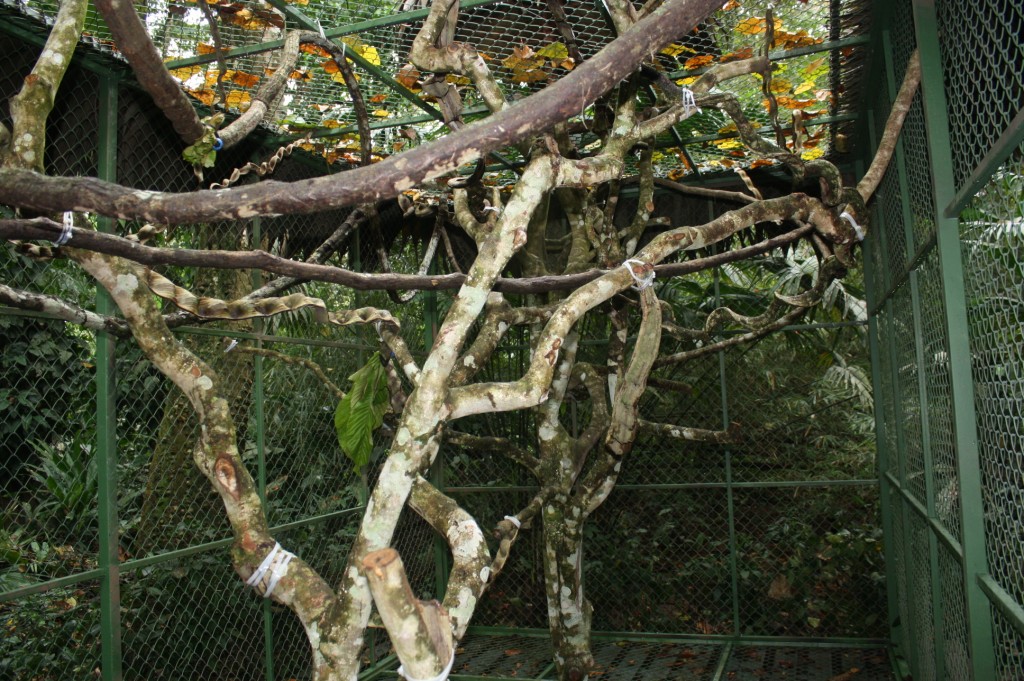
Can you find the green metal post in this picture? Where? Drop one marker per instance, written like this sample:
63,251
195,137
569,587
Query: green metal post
734,571
901,449
877,390
975,562
921,361
261,461
106,424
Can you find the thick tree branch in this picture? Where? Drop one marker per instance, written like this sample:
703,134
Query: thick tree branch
560,101
890,135
50,305
471,561
133,42
32,105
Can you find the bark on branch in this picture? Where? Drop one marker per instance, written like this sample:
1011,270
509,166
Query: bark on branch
419,631
560,101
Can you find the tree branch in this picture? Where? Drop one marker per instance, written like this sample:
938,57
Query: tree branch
560,101
33,103
133,42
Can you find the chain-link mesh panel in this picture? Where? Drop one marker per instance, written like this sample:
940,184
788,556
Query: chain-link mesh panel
918,166
920,583
659,561
954,621
898,561
891,206
1009,646
809,562
908,394
981,57
886,394
935,367
991,237
51,636
516,598
190,618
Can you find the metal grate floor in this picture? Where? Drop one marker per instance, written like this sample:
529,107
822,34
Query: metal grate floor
508,657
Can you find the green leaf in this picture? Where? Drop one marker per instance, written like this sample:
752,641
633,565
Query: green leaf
361,411
554,51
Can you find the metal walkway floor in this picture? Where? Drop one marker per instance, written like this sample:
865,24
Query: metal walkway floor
524,657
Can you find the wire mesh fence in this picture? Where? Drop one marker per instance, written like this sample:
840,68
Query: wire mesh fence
775,537
946,328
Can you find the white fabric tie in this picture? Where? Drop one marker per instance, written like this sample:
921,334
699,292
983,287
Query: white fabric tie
440,677
276,563
514,520
689,102
65,232
858,230
641,282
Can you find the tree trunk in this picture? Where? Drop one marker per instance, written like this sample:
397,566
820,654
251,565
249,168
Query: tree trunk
569,612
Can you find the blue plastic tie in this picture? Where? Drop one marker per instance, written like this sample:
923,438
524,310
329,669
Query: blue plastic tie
218,144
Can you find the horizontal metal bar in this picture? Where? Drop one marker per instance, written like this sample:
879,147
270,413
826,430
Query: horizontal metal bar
248,335
941,532
224,543
1005,603
824,120
1007,143
609,635
32,589
347,29
668,487
922,252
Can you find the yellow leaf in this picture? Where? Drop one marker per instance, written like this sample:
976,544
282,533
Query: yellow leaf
815,68
382,113
330,123
698,62
812,154
745,53
206,95
236,98
804,87
457,80
729,143
186,72
781,85
367,52
245,79
408,76
555,52
756,26
203,48
676,49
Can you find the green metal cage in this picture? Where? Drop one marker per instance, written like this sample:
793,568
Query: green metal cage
911,565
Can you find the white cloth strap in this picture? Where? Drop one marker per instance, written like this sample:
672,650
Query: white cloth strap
641,282
689,102
858,230
276,563
514,520
440,677
66,227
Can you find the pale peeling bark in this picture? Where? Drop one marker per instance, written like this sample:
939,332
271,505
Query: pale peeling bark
216,454
419,630
33,103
